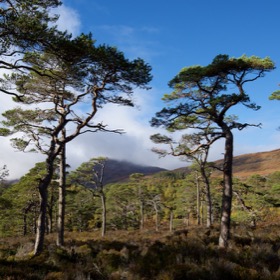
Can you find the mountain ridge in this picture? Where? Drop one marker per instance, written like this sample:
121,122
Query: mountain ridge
120,170
262,163
245,165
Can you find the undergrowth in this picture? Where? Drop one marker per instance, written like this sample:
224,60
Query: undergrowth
186,254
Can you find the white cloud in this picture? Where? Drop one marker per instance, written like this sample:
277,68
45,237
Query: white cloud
69,20
134,145
18,163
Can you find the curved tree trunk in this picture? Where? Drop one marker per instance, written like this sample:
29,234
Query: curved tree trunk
43,194
227,190
41,222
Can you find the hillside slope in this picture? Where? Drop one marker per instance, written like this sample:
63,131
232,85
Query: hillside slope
116,170
262,163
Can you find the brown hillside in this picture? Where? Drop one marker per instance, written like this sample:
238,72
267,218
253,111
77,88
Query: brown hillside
262,163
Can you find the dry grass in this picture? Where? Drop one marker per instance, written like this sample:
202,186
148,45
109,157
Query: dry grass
262,163
185,254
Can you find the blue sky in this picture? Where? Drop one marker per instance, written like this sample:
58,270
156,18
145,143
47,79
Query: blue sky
170,35
173,34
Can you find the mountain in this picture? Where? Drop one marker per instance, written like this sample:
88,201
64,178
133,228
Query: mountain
116,170
262,163
245,165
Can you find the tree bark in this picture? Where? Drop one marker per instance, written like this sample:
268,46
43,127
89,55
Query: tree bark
34,225
171,216
41,222
104,214
208,198
43,195
61,198
50,212
227,190
141,214
187,219
197,199
156,218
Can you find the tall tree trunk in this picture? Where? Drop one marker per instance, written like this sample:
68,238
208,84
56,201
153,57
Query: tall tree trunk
156,218
43,195
61,197
197,199
51,211
171,216
34,225
141,214
208,198
202,212
47,223
187,219
41,222
104,213
227,190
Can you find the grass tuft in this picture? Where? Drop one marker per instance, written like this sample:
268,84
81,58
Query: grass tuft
141,255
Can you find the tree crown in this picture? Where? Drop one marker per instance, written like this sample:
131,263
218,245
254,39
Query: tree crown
206,93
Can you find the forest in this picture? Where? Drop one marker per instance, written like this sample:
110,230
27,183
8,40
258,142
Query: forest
200,222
